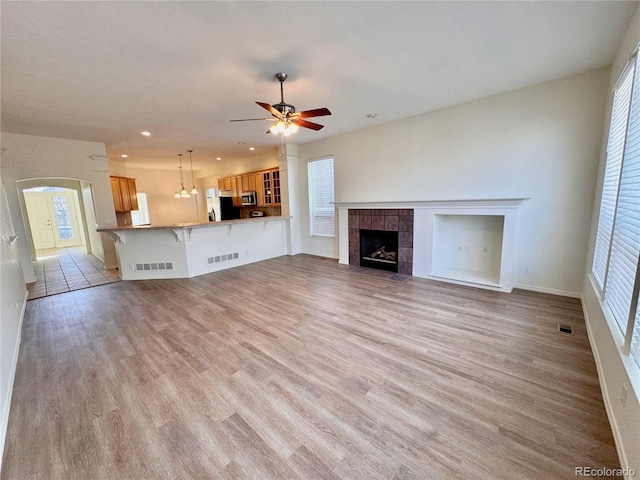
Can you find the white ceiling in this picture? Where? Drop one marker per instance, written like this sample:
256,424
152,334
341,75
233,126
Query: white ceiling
105,71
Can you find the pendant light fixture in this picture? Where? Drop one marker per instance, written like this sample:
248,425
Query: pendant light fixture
193,183
183,192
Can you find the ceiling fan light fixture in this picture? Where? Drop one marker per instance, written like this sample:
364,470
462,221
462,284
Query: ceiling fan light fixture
286,128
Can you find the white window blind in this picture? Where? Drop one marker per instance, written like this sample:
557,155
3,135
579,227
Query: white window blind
321,207
615,150
617,250
625,243
635,339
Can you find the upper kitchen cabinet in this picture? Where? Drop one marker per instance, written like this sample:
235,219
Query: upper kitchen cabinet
271,186
124,194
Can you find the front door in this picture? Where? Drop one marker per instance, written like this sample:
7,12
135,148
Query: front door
40,221
63,209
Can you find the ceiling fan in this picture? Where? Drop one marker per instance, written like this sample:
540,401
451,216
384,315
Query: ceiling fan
285,115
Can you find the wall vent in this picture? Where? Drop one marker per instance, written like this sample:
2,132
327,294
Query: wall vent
565,328
141,267
222,258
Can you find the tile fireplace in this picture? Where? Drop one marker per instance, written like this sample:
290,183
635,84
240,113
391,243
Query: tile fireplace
371,230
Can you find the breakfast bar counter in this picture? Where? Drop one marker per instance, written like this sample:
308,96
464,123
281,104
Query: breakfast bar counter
184,250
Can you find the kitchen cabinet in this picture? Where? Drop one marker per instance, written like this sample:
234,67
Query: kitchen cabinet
257,179
236,188
117,198
271,187
133,193
266,184
124,194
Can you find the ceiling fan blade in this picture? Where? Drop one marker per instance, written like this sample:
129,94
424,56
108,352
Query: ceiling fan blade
318,112
253,119
305,124
270,109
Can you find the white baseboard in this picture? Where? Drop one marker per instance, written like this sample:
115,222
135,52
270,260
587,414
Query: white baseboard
551,291
617,437
4,419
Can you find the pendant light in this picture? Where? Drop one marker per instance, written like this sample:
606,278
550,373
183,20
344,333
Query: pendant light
193,183
183,192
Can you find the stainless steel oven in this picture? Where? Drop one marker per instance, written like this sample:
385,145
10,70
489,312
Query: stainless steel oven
249,199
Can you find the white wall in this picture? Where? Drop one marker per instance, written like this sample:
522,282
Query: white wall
615,368
541,142
12,303
160,187
30,157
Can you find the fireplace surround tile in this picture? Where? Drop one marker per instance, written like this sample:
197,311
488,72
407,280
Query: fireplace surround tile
377,222
405,223
399,220
391,223
365,222
405,239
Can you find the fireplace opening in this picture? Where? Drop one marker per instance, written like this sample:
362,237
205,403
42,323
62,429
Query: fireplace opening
379,249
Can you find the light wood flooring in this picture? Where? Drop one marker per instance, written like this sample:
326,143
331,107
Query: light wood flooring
300,368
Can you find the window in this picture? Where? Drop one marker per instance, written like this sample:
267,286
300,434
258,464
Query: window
321,208
617,249
141,216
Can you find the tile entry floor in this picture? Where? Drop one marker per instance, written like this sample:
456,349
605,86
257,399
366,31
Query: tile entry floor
60,270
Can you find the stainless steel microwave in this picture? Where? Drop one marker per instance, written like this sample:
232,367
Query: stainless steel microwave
249,199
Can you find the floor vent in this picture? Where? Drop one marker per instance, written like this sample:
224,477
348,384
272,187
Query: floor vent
141,267
222,258
565,328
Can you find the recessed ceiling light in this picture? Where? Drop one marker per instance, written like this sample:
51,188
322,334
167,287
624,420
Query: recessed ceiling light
372,115
252,148
124,155
218,158
146,134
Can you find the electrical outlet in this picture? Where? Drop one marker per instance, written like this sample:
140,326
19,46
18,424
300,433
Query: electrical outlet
107,222
527,270
623,395
486,250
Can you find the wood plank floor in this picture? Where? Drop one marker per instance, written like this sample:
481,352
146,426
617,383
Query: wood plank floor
300,368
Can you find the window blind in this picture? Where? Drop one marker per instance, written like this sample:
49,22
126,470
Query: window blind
635,339
615,150
321,197
625,243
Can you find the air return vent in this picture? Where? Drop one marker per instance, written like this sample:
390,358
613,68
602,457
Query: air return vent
565,328
141,267
222,258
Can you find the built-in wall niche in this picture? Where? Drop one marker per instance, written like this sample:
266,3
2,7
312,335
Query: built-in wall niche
468,248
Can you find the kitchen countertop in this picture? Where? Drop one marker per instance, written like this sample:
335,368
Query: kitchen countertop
191,224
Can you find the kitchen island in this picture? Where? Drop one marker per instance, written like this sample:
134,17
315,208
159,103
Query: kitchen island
186,250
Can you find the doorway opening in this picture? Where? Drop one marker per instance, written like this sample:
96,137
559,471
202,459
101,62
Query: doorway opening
55,219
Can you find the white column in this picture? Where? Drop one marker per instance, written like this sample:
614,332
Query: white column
288,163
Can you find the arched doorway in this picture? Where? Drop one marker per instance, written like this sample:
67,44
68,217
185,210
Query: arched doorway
54,218
57,213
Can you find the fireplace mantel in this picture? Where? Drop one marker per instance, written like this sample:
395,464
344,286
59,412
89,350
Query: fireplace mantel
468,203
442,242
